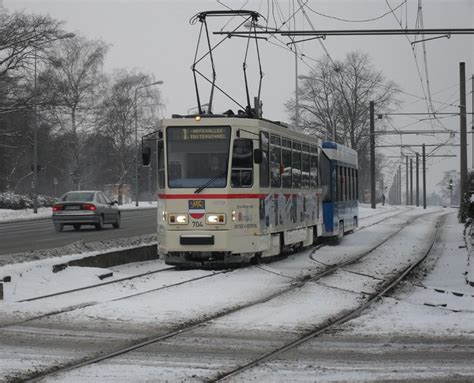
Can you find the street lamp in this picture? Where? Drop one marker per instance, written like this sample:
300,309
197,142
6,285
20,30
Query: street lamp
136,135
35,125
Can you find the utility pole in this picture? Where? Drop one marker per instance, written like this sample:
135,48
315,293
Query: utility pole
424,175
393,191
472,121
417,179
372,156
35,140
411,181
463,136
406,185
297,107
451,190
382,187
399,184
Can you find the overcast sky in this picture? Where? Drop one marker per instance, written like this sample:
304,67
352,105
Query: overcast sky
156,37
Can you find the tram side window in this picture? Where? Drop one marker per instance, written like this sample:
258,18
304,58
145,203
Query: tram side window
264,166
314,168
357,183
275,161
305,167
161,165
296,169
242,163
352,185
325,178
346,184
286,154
349,184
343,184
339,183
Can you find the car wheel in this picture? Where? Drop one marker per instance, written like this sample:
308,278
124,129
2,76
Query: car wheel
100,225
77,227
116,225
58,227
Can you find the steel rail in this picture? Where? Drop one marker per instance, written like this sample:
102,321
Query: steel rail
338,320
96,285
193,324
94,303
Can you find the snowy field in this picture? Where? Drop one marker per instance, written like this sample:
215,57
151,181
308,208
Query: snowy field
8,215
435,304
36,277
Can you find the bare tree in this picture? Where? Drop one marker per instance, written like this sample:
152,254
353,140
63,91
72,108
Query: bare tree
70,87
22,38
334,102
20,34
116,117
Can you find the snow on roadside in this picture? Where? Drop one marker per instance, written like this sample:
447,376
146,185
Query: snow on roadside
9,215
443,305
36,278
405,314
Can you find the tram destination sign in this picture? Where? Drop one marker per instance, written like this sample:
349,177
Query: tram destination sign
200,134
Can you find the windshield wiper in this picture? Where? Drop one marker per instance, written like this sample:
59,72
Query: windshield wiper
202,187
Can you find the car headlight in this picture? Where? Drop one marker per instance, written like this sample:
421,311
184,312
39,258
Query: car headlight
178,219
215,219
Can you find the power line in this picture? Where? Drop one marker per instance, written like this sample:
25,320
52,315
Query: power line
356,21
417,132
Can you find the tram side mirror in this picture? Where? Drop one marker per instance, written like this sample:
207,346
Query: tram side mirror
146,155
257,156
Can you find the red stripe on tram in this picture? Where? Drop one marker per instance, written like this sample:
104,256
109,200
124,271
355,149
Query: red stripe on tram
211,196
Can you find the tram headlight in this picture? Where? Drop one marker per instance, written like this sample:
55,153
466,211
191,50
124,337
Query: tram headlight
215,219
178,219
233,215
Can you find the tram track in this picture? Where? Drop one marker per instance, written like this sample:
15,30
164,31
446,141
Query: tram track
190,325
95,303
97,285
143,275
345,316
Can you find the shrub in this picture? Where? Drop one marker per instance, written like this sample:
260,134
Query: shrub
16,201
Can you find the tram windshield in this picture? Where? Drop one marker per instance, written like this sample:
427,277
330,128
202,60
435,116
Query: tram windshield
197,155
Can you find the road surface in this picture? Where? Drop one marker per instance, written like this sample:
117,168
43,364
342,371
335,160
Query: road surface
25,236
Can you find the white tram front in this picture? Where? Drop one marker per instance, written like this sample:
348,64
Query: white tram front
232,190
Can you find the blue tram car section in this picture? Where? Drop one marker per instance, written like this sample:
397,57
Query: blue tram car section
339,180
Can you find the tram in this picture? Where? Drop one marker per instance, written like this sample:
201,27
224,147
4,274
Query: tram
234,189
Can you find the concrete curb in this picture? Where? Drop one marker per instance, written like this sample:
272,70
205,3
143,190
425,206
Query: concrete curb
113,258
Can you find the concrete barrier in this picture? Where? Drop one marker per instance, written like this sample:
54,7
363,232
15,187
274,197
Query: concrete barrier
113,258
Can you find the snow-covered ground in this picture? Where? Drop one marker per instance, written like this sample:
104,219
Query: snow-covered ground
441,304
437,305
9,215
36,277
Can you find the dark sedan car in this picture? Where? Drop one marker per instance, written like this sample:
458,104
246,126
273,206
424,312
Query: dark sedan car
78,208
